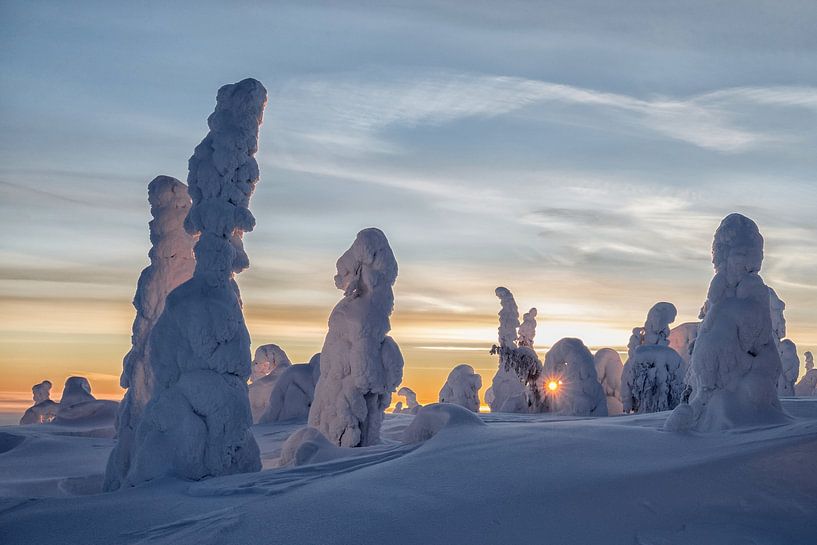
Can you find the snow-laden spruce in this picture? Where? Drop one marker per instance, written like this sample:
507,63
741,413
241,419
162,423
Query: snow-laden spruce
790,368
293,392
735,362
171,263
462,388
268,365
808,383
570,381
79,407
652,379
527,329
197,423
44,409
608,369
514,387
76,390
361,365
682,340
412,405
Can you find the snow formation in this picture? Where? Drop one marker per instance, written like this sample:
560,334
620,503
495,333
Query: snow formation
76,390
570,367
293,392
197,423
78,407
431,419
527,330
735,362
462,388
790,365
652,379
608,369
269,363
360,364
308,446
514,387
808,384
412,406
171,263
44,410
682,340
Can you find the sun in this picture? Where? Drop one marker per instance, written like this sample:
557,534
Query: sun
553,385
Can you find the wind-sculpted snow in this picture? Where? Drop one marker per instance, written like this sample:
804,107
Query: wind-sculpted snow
682,340
293,392
808,383
653,377
171,263
412,406
735,362
308,446
570,367
790,365
608,369
437,416
462,388
361,365
197,423
268,365
44,410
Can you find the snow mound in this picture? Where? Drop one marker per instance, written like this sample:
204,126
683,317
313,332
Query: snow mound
308,446
361,365
462,388
293,392
570,369
268,365
608,369
432,418
735,362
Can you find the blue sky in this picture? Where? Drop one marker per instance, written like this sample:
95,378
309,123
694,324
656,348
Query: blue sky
580,153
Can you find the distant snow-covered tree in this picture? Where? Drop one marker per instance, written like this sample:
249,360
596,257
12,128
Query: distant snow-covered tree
462,388
572,385
608,369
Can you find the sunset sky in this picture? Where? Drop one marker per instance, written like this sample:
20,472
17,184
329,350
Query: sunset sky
582,162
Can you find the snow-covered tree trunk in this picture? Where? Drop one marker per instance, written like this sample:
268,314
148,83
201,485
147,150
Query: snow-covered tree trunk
197,424
361,365
171,263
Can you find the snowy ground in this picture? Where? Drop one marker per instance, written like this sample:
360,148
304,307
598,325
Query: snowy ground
520,479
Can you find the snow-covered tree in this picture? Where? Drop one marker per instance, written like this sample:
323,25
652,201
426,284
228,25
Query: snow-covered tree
361,365
652,379
412,406
570,381
171,263
44,410
527,330
269,363
515,360
808,384
462,388
608,369
682,340
293,392
76,390
790,365
197,423
735,362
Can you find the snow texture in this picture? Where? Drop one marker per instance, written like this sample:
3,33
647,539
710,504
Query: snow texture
412,406
527,330
653,377
171,264
608,369
197,423
682,340
268,365
507,393
777,308
293,392
808,384
735,362
462,388
570,365
433,418
790,364
361,365
44,410
308,446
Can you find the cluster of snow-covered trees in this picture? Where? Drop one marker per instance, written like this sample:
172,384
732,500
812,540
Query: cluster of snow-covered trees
77,406
193,390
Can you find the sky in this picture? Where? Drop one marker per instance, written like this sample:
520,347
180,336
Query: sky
580,153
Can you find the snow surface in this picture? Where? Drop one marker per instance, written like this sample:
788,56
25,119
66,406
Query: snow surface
361,365
475,484
197,421
735,362
171,264
268,364
462,388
